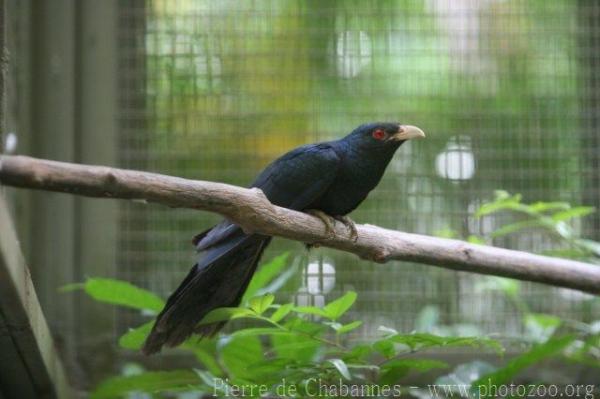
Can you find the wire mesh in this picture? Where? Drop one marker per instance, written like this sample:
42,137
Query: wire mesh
506,90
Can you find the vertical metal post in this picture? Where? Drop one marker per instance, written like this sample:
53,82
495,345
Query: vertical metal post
54,106
96,126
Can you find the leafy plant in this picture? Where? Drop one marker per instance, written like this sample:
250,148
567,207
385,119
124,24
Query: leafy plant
280,344
555,218
284,349
284,346
547,334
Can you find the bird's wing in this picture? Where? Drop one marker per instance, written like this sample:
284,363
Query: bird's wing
300,177
294,181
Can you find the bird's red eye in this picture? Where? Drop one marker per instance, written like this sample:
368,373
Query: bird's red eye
378,134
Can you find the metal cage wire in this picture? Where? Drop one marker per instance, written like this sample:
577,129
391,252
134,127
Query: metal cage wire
215,91
506,90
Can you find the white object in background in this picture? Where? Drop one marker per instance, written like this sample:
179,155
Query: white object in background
10,143
456,161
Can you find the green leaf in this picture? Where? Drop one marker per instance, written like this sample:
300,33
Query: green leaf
151,382
445,233
514,227
570,253
270,372
387,330
358,352
425,340
225,314
334,310
265,274
298,347
208,360
577,212
393,370
253,332
239,352
261,303
303,344
213,383
349,327
417,364
333,324
586,350
533,356
540,207
341,367
303,326
118,292
562,229
502,201
281,279
310,310
285,346
281,312
385,347
135,337
72,287
540,327
473,239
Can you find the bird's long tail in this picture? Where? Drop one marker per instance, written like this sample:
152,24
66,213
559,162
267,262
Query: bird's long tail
219,279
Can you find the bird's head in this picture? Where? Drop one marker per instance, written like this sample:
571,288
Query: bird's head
380,135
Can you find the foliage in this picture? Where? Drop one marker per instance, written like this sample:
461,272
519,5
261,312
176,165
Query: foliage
283,346
288,343
284,349
538,353
554,218
279,344
547,334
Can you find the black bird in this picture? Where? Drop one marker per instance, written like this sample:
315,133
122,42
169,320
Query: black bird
329,178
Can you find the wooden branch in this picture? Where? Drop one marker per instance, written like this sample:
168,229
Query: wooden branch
251,210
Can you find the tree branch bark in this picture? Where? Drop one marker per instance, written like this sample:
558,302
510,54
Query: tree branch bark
251,210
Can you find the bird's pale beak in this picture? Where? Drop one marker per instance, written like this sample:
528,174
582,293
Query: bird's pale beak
407,132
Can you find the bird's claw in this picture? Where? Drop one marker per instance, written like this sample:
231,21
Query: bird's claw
349,223
329,223
327,220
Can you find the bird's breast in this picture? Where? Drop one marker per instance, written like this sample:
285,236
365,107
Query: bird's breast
349,189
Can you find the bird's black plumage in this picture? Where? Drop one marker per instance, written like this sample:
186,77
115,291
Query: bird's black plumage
333,177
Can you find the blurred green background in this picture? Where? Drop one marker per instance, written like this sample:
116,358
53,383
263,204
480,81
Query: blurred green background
507,91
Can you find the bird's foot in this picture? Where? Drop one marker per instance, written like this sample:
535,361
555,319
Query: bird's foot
349,223
327,220
312,245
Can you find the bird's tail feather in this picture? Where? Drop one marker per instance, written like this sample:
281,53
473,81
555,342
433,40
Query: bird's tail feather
219,279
